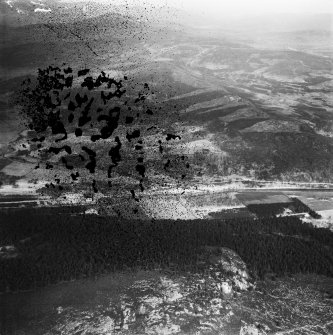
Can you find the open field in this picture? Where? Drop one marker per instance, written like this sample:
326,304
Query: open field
172,203
232,213
262,197
318,201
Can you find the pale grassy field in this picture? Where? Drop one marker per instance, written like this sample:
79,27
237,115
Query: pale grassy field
251,198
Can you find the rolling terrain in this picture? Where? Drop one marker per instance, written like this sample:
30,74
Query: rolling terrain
216,215
241,110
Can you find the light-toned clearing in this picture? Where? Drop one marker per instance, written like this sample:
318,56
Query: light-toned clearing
8,251
259,198
274,126
327,214
215,66
224,102
326,220
317,202
18,169
163,59
197,146
22,187
171,208
191,94
203,212
284,78
244,113
325,133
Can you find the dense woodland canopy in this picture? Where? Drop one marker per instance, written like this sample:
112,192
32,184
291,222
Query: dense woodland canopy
51,248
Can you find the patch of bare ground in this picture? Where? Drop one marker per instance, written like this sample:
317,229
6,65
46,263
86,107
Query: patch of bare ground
274,126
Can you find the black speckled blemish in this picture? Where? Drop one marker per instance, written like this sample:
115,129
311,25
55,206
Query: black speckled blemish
172,137
75,176
71,118
91,166
133,195
160,147
67,166
57,150
141,169
89,83
167,164
97,114
129,119
114,152
94,186
85,118
141,185
78,132
149,112
40,139
82,72
71,106
80,100
134,134
68,70
138,147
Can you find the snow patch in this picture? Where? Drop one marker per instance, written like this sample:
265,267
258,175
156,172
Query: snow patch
42,10
9,3
91,211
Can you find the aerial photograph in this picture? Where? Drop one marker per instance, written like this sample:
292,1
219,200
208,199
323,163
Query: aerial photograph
166,167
